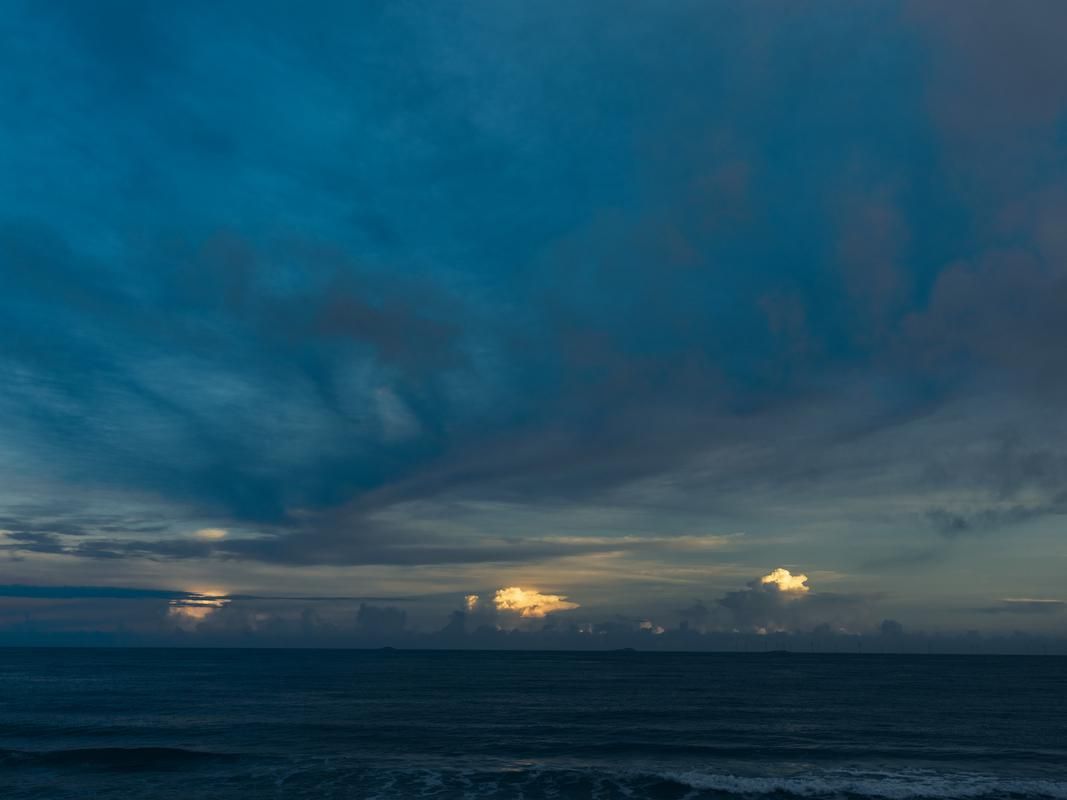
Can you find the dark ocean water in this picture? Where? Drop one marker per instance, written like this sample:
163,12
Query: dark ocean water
184,724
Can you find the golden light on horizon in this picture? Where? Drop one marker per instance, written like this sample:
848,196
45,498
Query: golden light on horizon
197,607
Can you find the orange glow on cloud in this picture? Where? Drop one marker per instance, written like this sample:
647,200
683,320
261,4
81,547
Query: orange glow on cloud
786,581
197,608
529,602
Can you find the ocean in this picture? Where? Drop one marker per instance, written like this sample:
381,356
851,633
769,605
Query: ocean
191,724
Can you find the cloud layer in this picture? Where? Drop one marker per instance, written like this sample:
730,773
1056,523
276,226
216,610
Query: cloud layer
538,296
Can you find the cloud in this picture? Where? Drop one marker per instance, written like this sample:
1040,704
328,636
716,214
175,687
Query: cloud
1025,605
196,607
530,603
271,374
1011,481
379,620
160,617
890,627
767,602
30,591
85,592
781,601
697,613
227,319
349,535
785,581
952,524
997,70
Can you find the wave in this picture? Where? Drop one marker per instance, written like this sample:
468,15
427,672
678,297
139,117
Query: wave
123,759
176,773
924,752
588,782
895,785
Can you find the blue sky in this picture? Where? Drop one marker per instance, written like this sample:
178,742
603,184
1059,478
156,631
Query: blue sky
628,303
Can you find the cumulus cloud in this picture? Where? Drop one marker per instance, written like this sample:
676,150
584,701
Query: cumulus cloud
785,581
782,601
696,614
530,603
381,619
766,602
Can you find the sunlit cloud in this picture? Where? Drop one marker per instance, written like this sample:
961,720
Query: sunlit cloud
786,581
529,602
471,602
211,534
189,611
781,601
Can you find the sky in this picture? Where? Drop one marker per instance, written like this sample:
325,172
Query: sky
623,319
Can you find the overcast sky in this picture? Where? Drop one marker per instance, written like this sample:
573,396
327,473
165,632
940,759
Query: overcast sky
619,305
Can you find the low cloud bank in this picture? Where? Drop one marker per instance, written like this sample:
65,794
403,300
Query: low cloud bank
778,611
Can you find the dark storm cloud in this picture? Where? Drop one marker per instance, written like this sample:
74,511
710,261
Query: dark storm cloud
292,272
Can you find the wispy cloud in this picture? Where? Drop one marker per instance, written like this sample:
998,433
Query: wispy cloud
1025,605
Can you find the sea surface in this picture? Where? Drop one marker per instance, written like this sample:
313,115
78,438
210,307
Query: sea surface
189,724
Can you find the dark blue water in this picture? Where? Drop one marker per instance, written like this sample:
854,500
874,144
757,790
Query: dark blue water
358,724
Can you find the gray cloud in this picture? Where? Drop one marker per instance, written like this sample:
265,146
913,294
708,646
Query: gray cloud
785,603
349,540
697,613
378,620
77,592
541,269
1025,605
952,524
132,593
998,70
890,627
